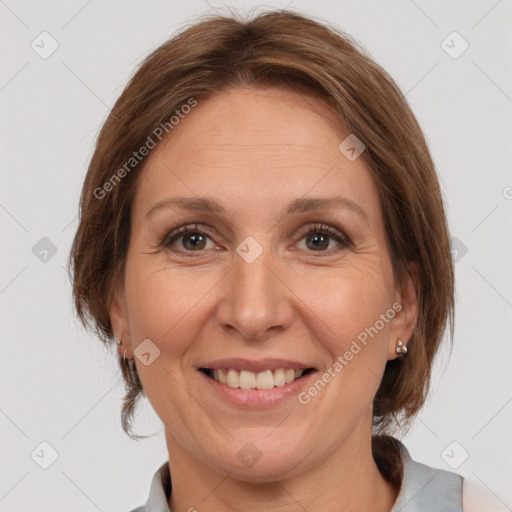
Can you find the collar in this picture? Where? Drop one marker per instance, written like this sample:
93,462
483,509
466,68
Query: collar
427,489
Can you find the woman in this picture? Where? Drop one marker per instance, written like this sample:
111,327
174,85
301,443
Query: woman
263,232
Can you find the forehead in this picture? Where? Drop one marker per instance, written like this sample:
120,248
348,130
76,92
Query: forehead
257,121
255,146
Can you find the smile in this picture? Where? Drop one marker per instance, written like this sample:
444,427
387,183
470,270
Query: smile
245,379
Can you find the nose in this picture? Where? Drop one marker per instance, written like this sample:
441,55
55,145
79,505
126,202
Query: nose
256,302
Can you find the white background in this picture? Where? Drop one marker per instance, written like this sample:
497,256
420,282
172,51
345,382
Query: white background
58,383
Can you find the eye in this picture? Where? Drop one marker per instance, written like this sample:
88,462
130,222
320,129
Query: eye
318,237
194,238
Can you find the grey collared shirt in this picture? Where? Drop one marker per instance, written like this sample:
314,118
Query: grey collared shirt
423,489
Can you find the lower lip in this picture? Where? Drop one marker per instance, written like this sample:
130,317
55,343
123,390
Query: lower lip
258,397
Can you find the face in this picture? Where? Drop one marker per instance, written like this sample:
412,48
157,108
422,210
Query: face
252,274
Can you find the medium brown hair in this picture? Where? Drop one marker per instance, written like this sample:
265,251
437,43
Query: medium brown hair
289,50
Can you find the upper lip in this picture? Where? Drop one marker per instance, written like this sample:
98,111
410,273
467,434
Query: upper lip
254,365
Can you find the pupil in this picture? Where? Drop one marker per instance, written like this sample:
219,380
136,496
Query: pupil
195,238
316,237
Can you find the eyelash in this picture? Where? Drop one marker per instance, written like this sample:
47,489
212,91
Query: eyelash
324,229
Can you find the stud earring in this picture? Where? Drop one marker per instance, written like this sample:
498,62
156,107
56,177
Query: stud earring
401,349
119,342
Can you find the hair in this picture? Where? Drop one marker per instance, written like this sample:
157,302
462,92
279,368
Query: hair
285,49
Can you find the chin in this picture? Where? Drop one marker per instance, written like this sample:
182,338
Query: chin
257,459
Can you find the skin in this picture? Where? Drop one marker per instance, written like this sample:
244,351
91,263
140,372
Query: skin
256,150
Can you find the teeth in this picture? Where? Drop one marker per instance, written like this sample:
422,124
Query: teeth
279,378
289,376
233,379
264,380
245,379
223,377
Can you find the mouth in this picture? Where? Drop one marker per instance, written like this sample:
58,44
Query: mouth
246,380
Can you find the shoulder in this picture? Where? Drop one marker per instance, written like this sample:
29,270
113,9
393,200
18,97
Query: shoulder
475,498
159,491
427,489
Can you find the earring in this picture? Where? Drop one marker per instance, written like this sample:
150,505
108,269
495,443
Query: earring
119,342
124,356
401,349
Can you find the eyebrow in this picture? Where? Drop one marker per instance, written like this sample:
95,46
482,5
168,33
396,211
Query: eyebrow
297,206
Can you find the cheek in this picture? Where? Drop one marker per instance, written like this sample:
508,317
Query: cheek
346,302
346,320
165,307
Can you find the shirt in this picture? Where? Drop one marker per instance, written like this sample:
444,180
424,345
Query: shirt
423,489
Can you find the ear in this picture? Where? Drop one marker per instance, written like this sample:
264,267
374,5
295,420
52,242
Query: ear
118,312
404,321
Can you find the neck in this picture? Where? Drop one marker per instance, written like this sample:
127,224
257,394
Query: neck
347,480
